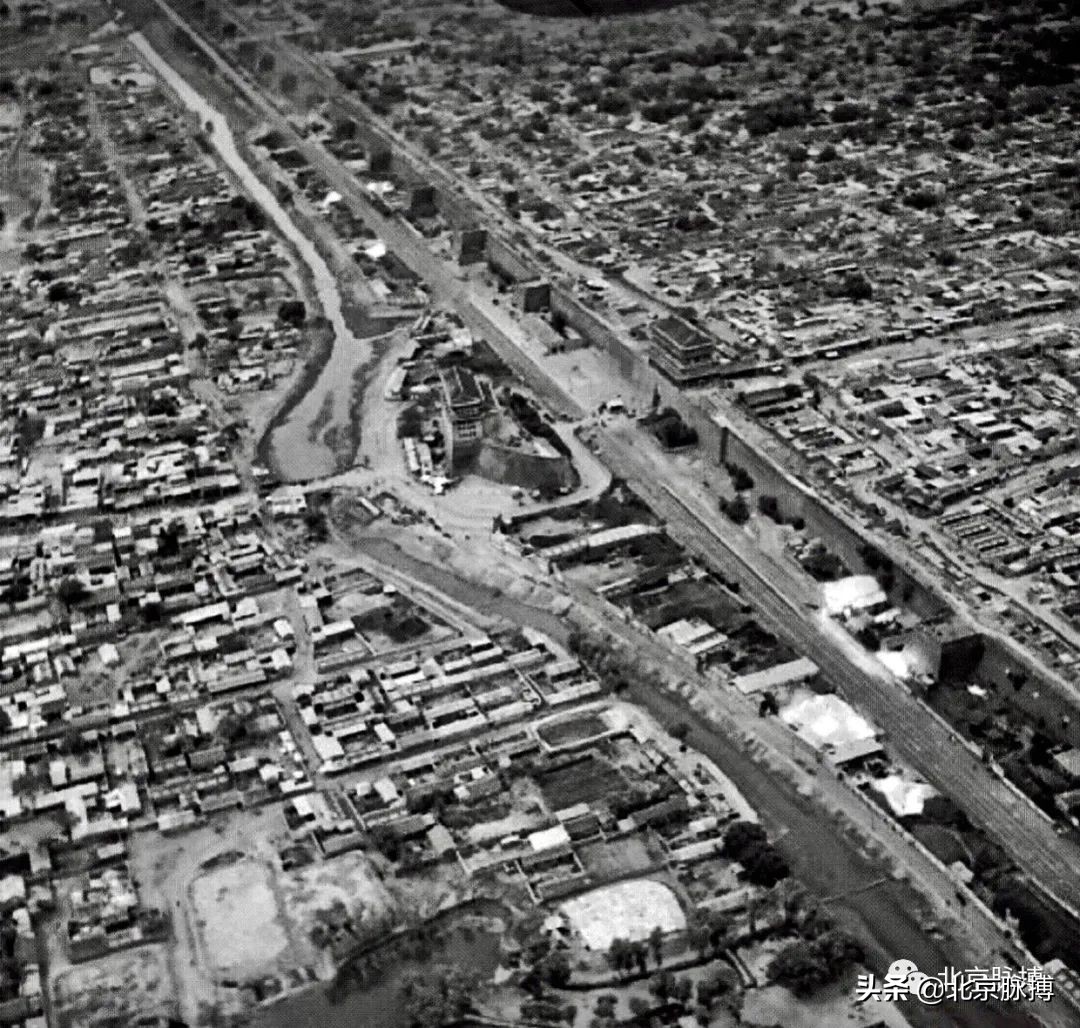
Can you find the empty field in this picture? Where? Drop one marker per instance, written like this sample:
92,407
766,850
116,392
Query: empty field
628,910
577,729
583,781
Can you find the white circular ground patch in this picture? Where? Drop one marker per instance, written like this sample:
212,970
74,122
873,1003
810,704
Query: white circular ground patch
627,910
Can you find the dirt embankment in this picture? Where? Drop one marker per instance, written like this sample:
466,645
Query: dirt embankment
588,8
321,337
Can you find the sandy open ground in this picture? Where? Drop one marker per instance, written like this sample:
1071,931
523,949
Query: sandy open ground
130,983
348,879
628,910
238,917
776,1005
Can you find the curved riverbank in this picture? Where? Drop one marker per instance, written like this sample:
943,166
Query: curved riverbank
588,8
367,989
324,370
316,429
322,344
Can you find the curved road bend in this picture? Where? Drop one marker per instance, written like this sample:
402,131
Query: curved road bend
883,912
888,916
482,598
919,738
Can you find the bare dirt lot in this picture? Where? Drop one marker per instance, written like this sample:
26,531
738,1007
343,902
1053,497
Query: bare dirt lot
628,910
584,781
123,985
238,918
237,914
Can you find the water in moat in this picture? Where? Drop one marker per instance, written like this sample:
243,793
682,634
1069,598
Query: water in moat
376,1002
303,453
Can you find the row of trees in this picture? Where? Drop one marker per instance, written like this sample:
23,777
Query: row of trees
613,670
806,966
737,509
670,429
748,844
625,956
432,1001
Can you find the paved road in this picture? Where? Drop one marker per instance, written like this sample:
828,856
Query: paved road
913,733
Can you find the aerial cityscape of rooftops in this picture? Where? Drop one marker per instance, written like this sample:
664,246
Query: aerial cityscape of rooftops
544,512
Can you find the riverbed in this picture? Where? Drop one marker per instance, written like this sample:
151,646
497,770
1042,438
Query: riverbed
348,351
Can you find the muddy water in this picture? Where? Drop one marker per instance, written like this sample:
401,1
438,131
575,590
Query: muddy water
377,1004
299,456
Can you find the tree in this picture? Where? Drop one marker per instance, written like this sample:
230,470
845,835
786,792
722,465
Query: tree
656,940
292,312
787,111
804,967
605,1004
17,591
679,731
741,479
555,969
168,542
683,990
61,292
848,111
697,933
30,782
620,955
380,161
719,983
741,837
839,951
962,139
433,1002
662,986
856,286
317,525
769,704
799,967
70,591
765,867
231,727
74,741
639,1006
1039,750
737,509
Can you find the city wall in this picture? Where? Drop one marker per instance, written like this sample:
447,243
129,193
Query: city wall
567,309
796,500
508,263
1048,701
719,441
